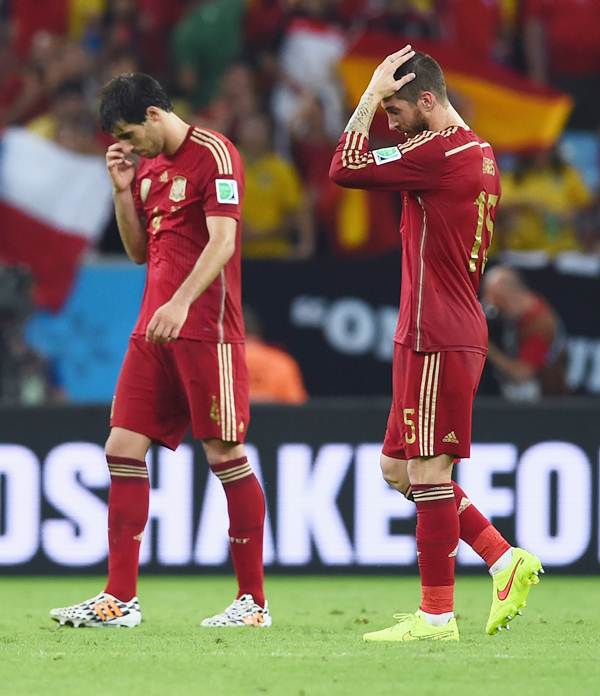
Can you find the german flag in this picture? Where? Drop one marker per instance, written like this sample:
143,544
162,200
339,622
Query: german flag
506,109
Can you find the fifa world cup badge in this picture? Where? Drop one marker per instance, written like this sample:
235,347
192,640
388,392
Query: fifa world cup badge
386,154
227,191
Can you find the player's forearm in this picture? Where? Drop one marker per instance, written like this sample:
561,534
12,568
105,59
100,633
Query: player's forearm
133,235
363,115
210,263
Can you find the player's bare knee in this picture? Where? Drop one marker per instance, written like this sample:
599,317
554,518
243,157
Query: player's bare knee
430,470
219,451
394,474
126,443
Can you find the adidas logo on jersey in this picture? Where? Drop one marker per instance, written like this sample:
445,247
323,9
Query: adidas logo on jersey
451,438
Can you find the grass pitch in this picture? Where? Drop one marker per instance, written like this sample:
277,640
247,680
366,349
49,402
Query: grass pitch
314,647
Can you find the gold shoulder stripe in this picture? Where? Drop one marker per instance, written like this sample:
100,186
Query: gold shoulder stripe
416,139
404,149
210,147
220,146
451,130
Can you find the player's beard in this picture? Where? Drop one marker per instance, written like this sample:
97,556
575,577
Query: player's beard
418,125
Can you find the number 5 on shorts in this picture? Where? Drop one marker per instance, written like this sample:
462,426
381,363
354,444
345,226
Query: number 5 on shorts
411,436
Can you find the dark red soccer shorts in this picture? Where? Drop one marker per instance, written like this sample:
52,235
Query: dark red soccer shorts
432,403
162,389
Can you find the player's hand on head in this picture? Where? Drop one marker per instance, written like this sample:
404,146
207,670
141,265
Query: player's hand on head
383,84
120,165
167,322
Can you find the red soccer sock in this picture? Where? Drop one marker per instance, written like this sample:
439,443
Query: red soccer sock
437,543
477,531
246,508
128,502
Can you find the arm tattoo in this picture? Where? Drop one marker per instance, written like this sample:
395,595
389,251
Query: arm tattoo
362,117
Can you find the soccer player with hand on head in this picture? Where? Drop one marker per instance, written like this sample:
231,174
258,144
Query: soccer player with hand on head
178,193
450,188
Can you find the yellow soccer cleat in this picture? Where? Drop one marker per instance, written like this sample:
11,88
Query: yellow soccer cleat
413,627
510,589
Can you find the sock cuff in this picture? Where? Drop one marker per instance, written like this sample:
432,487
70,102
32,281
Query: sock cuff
233,470
126,467
437,600
432,492
490,544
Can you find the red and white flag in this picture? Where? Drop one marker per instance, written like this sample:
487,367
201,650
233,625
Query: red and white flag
54,204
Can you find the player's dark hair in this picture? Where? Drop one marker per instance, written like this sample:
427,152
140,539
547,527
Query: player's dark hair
126,98
429,78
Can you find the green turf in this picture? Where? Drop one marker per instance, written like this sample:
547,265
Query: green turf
314,647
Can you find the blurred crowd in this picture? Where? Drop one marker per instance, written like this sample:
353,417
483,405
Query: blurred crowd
264,73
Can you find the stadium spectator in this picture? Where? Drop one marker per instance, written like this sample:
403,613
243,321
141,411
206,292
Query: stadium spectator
407,18
26,377
311,149
273,373
206,40
277,221
540,201
69,120
236,101
531,360
588,229
30,17
494,37
562,47
313,43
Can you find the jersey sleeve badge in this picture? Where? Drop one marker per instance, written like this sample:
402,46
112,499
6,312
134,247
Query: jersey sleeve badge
386,154
227,191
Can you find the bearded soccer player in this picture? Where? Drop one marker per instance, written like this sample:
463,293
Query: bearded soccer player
178,193
450,188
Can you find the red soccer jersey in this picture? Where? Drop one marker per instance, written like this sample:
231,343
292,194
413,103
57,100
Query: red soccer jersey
175,195
451,185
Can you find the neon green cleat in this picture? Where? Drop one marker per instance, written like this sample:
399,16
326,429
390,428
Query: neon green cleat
413,627
511,587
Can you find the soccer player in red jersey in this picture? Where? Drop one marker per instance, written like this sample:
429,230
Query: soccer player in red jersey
450,187
178,193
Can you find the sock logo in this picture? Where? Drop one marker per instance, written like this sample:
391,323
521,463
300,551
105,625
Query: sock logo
503,594
451,438
464,504
239,540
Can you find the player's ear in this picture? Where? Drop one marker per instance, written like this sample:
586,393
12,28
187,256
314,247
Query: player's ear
427,100
153,114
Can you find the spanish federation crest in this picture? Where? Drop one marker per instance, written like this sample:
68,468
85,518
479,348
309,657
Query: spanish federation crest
178,189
